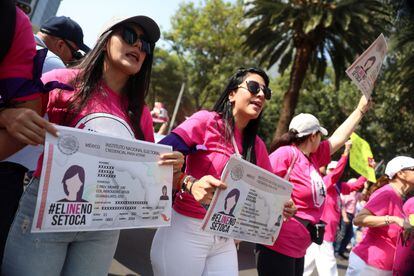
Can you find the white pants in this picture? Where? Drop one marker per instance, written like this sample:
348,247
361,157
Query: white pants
185,250
322,257
357,267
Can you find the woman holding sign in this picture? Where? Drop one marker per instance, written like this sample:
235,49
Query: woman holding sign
110,86
301,152
384,216
209,138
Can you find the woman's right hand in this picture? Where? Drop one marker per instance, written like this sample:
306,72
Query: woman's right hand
364,105
26,125
204,188
348,145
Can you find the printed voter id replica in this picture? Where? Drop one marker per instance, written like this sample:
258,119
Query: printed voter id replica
91,182
365,69
251,207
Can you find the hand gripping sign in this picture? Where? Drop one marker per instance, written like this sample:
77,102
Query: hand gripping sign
251,207
365,69
94,182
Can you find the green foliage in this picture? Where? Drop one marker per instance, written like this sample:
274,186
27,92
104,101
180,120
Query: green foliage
207,38
339,29
388,127
166,79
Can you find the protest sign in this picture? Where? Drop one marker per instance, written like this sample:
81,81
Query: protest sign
90,182
251,207
361,158
365,69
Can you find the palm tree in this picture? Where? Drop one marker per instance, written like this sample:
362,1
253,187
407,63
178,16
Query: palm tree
308,34
404,42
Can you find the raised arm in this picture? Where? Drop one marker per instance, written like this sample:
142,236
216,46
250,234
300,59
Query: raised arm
344,131
349,187
331,178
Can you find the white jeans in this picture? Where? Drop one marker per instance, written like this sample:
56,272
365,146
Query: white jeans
357,267
322,257
185,250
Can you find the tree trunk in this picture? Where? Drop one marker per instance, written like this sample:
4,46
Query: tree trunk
290,99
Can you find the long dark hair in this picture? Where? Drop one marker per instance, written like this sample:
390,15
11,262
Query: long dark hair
288,138
225,109
89,81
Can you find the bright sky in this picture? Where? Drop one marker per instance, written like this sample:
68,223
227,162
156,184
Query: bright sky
92,14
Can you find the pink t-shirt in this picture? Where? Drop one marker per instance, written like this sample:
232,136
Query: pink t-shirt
104,113
308,193
404,253
378,246
18,62
332,209
205,131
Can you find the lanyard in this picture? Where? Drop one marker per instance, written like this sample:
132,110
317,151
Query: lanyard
236,149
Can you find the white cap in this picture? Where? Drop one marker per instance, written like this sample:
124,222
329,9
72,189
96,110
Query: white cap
397,164
332,165
306,124
150,27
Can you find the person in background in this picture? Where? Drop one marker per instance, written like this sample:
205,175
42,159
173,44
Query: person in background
63,37
384,217
403,264
348,209
322,256
302,147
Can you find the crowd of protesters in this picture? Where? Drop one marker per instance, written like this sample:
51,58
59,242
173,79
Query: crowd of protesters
54,78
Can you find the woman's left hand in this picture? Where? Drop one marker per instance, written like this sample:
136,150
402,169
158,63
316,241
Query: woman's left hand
175,158
289,210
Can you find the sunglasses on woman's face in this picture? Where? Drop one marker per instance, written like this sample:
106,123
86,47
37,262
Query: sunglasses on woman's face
254,88
131,37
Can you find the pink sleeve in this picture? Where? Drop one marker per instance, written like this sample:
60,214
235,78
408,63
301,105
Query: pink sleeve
18,63
333,177
193,130
146,125
378,203
322,156
262,157
347,188
280,160
52,99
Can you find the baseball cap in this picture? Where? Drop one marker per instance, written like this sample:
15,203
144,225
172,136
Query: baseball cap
306,124
149,26
332,165
397,164
64,27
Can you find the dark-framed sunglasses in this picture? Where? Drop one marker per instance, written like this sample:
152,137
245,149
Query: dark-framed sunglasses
254,88
76,55
131,37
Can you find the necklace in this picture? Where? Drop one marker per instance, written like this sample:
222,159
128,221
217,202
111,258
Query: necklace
398,191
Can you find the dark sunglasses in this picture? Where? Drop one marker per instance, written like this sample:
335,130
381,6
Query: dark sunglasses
254,88
130,36
76,55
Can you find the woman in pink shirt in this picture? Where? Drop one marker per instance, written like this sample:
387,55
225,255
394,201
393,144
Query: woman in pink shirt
111,84
322,256
384,217
209,138
404,253
302,150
